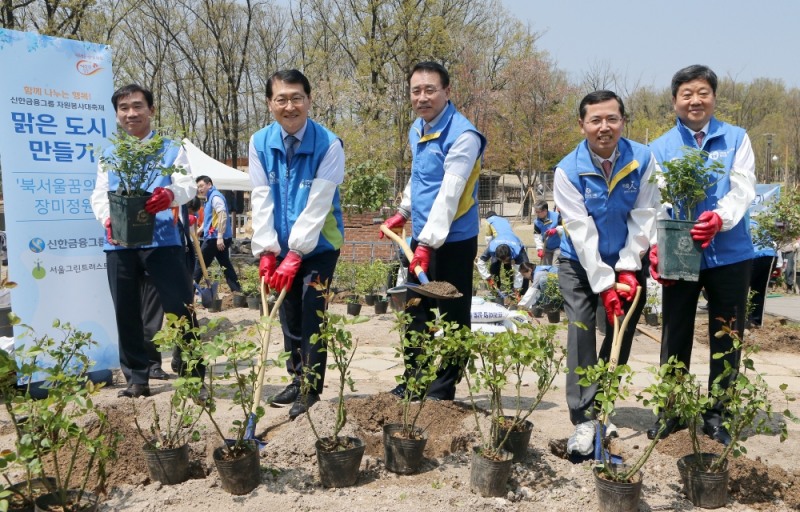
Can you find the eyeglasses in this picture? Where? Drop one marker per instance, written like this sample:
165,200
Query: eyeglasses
429,91
610,121
294,100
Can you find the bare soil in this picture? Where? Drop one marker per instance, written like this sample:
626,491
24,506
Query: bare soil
769,479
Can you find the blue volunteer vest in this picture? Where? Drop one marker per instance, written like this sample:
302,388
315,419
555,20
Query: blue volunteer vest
608,203
504,234
210,216
549,222
427,172
291,186
166,231
721,142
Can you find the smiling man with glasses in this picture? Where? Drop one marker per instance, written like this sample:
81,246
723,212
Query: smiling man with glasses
446,152
296,167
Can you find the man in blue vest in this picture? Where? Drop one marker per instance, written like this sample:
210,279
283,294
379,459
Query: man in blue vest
163,260
721,229
547,231
446,152
217,233
607,203
296,167
505,251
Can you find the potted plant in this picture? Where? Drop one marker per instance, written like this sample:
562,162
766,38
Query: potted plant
237,459
382,305
683,183
215,275
748,408
64,425
138,165
651,307
338,457
250,280
552,300
166,443
344,277
530,348
404,442
619,486
353,305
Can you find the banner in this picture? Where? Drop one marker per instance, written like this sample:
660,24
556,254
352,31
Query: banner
55,113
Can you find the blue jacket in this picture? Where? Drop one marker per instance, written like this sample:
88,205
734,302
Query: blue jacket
291,187
427,172
552,220
167,232
721,142
504,234
209,217
607,203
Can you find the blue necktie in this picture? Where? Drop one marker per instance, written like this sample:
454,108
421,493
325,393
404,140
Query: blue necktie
289,145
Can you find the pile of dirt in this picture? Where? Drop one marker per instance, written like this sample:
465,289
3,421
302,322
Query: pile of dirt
772,336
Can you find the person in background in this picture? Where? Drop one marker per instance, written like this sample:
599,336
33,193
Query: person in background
537,275
296,167
217,233
547,231
162,260
446,152
721,229
505,252
607,202
765,260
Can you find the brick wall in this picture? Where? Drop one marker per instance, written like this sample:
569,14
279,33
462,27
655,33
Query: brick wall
361,242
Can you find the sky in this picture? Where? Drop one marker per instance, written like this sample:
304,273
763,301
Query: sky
646,41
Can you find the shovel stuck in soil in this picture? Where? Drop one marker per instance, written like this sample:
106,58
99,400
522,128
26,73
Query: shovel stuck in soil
432,289
209,293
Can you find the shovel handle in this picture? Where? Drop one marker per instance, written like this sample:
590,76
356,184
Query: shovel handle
406,250
198,252
265,340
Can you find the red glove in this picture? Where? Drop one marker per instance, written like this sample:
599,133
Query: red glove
422,258
267,266
490,282
284,275
654,268
629,278
708,225
551,232
192,219
395,223
612,304
159,201
108,232
540,253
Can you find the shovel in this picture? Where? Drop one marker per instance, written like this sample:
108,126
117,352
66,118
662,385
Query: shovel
207,294
250,429
613,359
421,289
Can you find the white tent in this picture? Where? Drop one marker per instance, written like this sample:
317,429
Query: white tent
224,177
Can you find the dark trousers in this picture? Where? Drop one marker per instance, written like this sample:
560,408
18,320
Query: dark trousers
210,251
299,318
126,272
759,281
580,305
452,263
152,319
726,287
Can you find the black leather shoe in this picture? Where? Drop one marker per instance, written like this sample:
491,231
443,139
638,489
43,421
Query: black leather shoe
718,433
399,391
135,391
672,425
158,374
302,404
286,397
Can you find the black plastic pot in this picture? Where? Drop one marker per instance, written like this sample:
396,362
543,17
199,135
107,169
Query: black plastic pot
538,312
518,440
37,487
340,468
239,301
703,488
398,300
131,225
618,496
679,255
403,455
370,298
353,309
651,319
169,465
216,306
381,307
489,477
554,316
239,476
254,302
51,502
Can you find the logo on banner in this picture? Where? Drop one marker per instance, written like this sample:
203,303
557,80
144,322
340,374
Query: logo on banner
87,68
